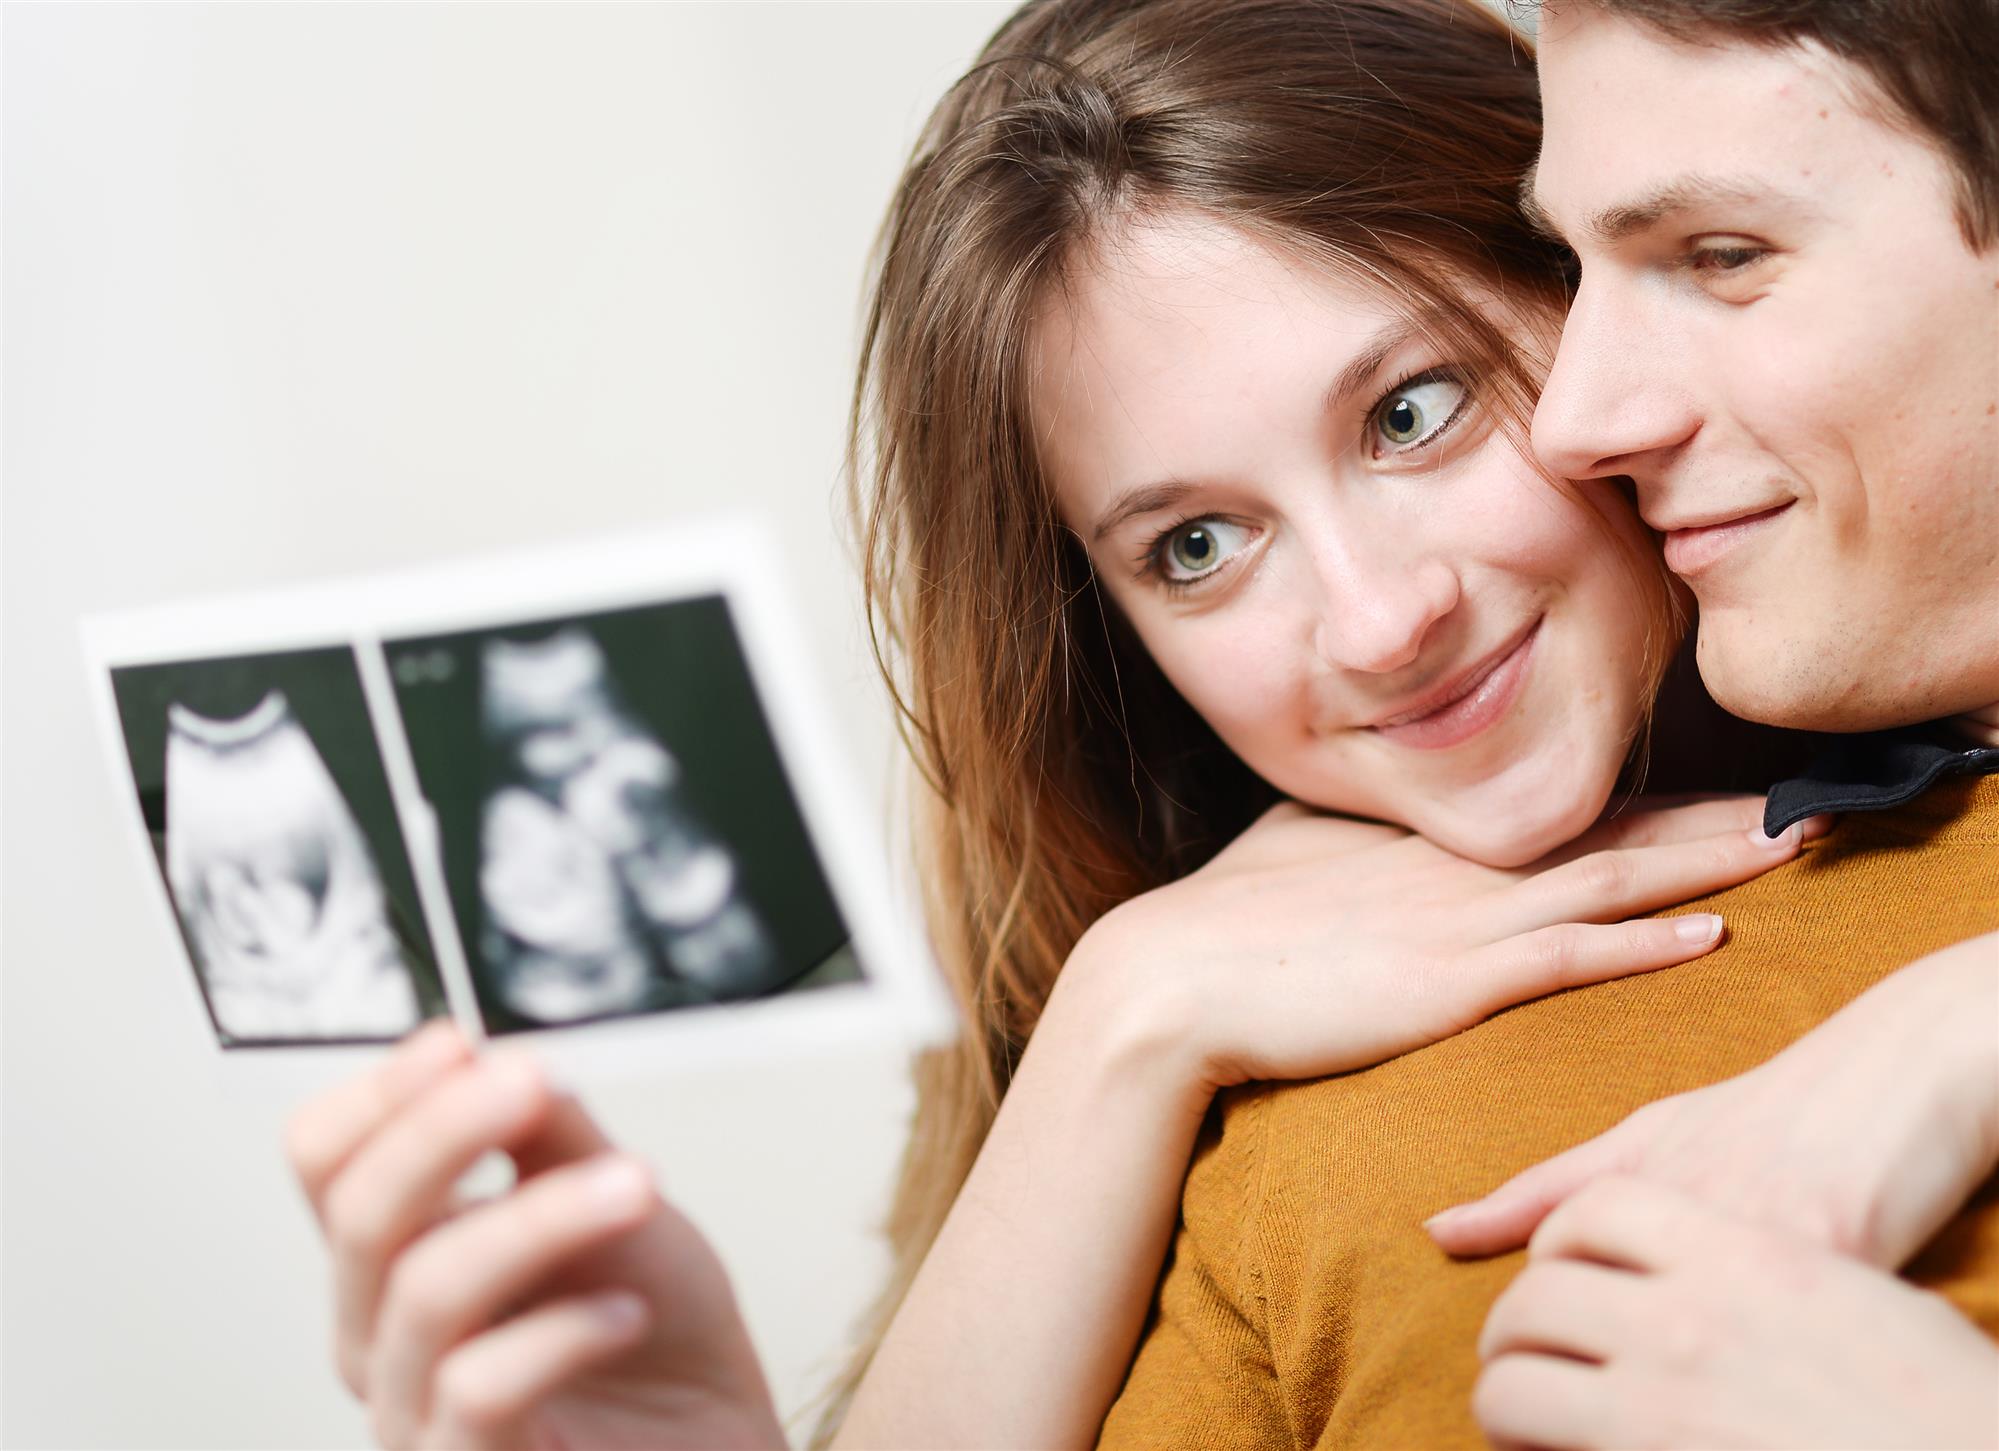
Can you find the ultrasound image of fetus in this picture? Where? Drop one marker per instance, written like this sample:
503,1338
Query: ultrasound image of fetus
604,893
278,893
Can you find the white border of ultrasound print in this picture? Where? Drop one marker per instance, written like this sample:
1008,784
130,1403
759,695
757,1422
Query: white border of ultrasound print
902,1000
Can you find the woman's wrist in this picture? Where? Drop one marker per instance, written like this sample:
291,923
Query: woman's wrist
1133,1015
1041,1274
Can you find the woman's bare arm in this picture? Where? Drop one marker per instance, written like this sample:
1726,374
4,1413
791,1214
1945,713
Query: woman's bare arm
1310,947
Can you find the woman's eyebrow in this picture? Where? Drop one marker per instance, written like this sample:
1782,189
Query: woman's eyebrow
1146,499
1361,368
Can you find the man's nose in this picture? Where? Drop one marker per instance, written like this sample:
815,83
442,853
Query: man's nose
1376,619
1617,397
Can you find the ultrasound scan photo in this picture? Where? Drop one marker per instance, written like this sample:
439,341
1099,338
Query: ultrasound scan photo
618,836
265,798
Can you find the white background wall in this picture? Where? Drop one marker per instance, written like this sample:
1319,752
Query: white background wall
292,292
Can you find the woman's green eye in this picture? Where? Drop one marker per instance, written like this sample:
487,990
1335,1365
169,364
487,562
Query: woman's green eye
1418,411
1197,548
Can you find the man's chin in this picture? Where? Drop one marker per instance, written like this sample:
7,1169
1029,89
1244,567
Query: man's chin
1793,683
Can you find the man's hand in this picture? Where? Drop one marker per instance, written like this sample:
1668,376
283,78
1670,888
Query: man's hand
1864,1136
1644,1318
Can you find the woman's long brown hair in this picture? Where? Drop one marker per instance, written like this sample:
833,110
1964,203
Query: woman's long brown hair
1385,139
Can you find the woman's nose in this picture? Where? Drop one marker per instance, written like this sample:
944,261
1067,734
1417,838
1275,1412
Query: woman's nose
1377,622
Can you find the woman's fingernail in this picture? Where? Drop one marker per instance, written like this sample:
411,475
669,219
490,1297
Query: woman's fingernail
1789,836
1443,1218
514,1074
423,1053
620,1310
619,1187
1697,927
1816,827
435,1041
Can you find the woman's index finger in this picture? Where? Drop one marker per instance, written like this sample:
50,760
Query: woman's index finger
327,1131
1648,824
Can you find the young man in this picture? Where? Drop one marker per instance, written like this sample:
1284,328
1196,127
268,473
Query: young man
1787,336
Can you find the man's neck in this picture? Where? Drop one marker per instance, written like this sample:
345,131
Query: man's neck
1981,725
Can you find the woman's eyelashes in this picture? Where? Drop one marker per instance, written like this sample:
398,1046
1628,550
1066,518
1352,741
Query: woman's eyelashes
1416,412
1189,551
1404,421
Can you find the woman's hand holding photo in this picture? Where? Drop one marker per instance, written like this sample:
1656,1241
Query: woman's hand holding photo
575,1310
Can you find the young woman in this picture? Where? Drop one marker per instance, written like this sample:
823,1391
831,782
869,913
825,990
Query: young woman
1190,436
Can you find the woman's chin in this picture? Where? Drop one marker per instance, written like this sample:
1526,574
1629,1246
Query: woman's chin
1516,830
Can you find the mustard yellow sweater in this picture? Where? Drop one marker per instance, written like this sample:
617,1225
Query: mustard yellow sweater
1304,1305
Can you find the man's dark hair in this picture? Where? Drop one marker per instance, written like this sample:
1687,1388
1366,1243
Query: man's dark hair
1936,61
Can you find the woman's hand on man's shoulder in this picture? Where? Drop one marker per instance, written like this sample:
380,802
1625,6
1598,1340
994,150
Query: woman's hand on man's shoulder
1316,944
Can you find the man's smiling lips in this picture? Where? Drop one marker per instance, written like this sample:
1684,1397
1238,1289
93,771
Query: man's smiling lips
1691,547
1460,710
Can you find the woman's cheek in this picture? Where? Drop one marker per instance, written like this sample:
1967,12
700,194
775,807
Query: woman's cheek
1247,678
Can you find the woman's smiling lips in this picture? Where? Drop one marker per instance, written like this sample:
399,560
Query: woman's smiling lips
1469,705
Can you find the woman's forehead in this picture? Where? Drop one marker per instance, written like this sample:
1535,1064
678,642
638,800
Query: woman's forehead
1172,348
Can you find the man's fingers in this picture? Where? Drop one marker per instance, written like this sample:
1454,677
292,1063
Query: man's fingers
400,1181
1632,1223
327,1131
1505,1218
461,1277
1544,1402
488,1388
1565,1307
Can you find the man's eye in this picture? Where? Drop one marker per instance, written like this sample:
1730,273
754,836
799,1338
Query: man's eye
1418,411
1725,259
1194,550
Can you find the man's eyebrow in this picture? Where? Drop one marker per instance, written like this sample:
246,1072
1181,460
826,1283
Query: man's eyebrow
1621,220
1355,375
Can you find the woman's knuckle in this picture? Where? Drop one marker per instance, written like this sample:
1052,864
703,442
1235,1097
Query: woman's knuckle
389,1428
1605,874
418,1297
1684,1336
357,1221
305,1147
1558,955
351,1361
466,1394
1732,854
